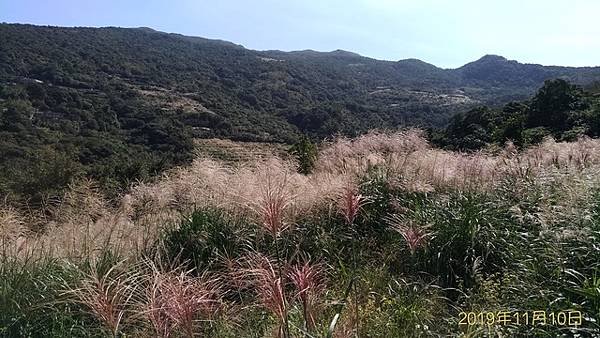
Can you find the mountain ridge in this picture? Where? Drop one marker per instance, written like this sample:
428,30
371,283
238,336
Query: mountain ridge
122,104
350,53
248,91
152,30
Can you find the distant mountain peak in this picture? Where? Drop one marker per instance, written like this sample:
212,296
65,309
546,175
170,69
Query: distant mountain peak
337,52
413,61
490,62
493,57
495,69
147,29
342,52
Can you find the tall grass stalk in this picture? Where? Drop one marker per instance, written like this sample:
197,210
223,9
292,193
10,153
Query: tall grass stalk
108,295
309,281
351,202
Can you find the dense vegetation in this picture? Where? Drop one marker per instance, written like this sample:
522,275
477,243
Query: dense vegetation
559,110
387,237
51,135
123,104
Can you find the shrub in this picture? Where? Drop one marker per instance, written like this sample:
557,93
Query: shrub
534,135
375,185
32,302
306,154
466,239
203,238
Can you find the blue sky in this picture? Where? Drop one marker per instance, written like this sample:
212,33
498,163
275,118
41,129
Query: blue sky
445,33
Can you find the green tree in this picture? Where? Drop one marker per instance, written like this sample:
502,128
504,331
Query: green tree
509,123
305,152
551,107
14,116
470,130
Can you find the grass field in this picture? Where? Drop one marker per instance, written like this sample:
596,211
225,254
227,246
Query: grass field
387,237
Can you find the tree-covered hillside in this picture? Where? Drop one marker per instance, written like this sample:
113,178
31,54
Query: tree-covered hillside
226,90
559,109
122,104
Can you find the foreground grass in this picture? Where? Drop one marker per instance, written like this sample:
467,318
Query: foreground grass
387,238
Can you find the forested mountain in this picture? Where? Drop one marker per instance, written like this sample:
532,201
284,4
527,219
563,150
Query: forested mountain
559,109
223,89
119,104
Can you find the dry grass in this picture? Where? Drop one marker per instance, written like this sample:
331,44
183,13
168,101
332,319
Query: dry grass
233,153
310,284
108,295
262,276
414,235
84,222
171,301
13,232
350,203
176,300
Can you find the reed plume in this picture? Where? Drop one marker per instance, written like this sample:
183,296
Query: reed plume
309,282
